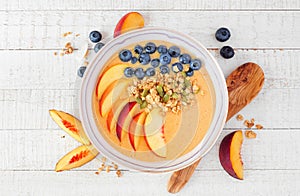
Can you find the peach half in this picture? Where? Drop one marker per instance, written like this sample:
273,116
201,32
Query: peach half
70,124
76,158
130,21
230,154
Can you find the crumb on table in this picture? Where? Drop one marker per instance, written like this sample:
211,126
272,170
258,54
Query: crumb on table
250,134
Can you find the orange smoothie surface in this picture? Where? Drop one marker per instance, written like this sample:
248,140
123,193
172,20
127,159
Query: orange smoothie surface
180,131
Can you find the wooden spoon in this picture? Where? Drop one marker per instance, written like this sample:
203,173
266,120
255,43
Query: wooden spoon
243,84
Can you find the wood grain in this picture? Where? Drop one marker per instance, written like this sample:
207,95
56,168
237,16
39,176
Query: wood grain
44,29
39,150
243,84
82,183
101,5
32,80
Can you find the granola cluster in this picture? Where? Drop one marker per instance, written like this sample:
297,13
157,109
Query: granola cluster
249,124
169,92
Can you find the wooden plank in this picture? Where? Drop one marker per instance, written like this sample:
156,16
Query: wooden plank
39,150
28,109
149,5
257,182
257,29
40,69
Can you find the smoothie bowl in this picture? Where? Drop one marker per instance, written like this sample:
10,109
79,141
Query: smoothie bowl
153,100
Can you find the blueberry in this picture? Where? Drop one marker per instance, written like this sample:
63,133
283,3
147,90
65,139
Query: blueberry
150,71
222,34
165,59
95,36
138,49
81,71
133,60
125,55
144,58
227,52
155,62
195,64
190,72
139,73
174,51
128,72
164,69
162,49
177,67
150,48
98,46
185,58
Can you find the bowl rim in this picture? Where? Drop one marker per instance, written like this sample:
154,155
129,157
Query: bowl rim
87,116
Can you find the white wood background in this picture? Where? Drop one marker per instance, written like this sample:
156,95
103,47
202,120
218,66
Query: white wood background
33,80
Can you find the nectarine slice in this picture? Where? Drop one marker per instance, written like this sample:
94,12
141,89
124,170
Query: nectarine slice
125,117
136,129
109,76
76,158
70,124
113,114
230,154
154,133
111,94
130,21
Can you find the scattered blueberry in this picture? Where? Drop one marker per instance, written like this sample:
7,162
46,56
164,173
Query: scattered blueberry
165,59
150,48
150,71
227,52
98,46
133,60
125,55
139,73
144,58
185,58
164,69
128,72
155,62
190,72
81,71
162,49
222,34
195,64
174,51
95,36
138,49
177,67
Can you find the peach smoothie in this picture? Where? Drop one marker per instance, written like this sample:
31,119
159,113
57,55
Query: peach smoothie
153,101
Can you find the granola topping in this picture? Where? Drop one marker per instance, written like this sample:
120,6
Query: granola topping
166,91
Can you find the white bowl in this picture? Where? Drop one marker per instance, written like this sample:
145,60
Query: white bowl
182,40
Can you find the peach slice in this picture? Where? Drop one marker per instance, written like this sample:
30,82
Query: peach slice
125,117
230,154
154,133
130,21
113,92
76,158
70,124
136,129
113,114
109,76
